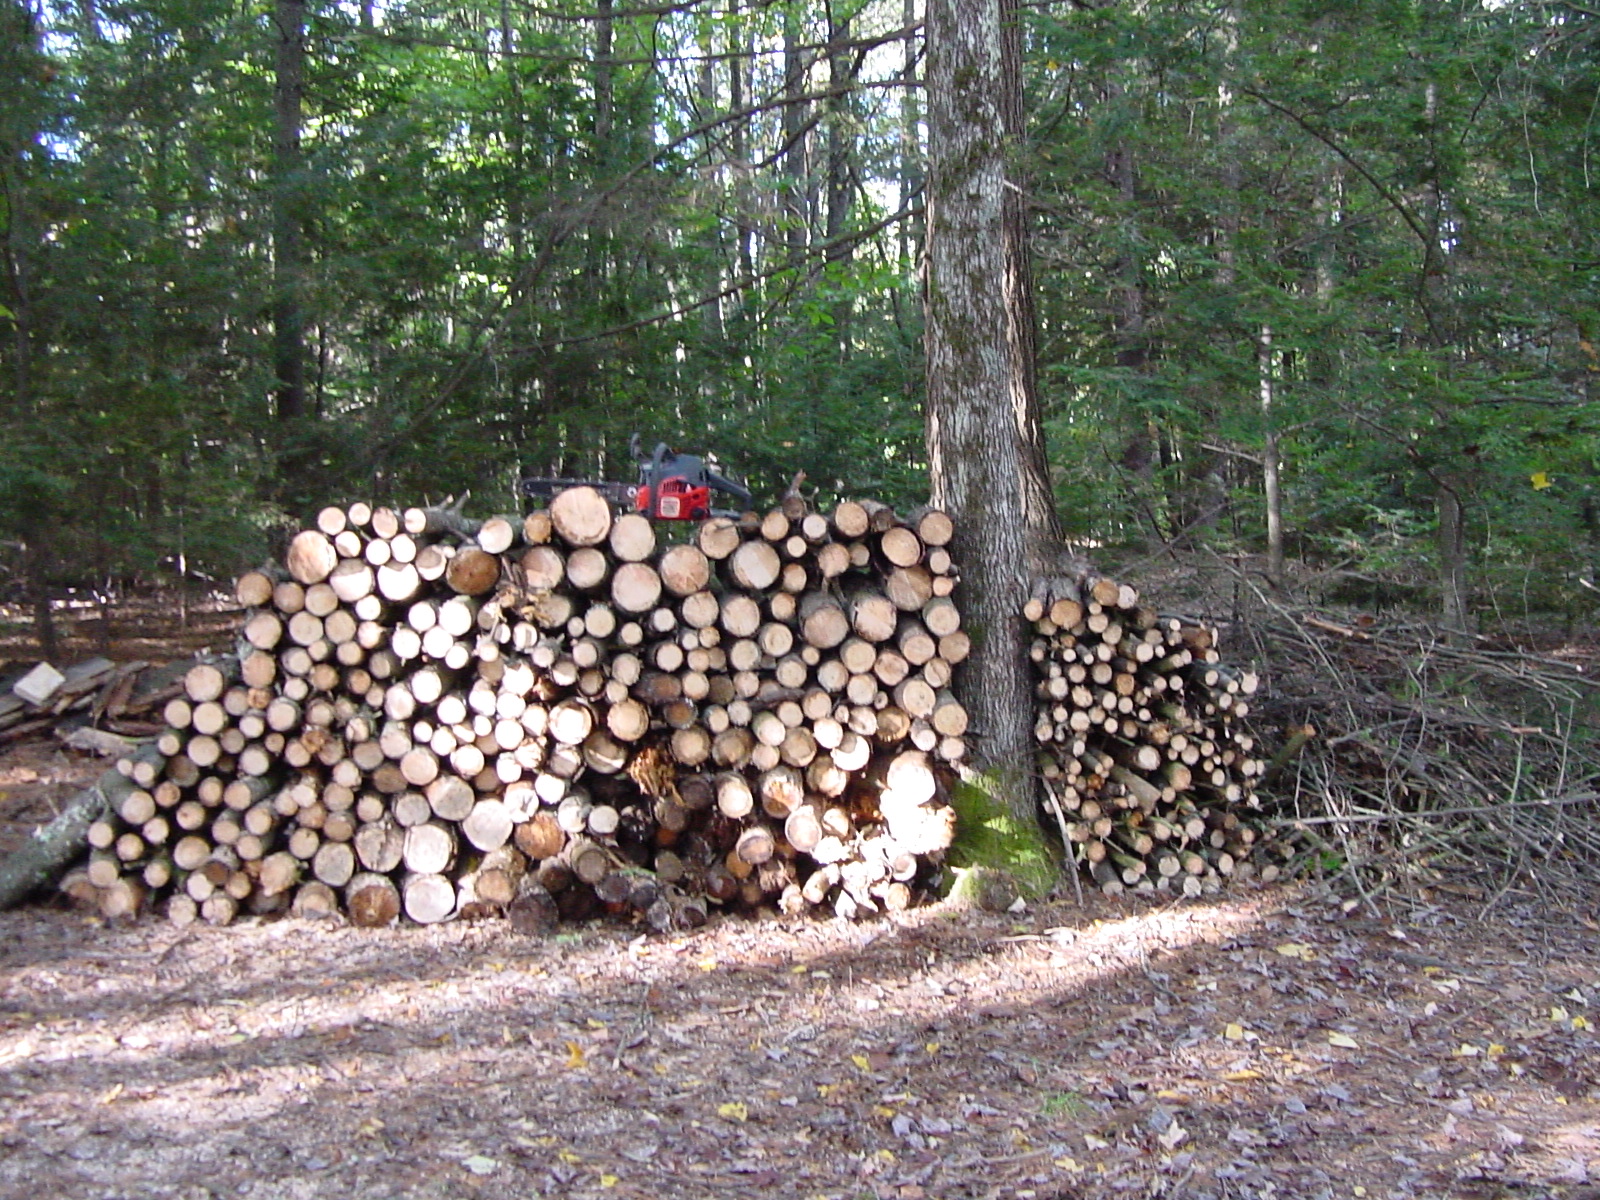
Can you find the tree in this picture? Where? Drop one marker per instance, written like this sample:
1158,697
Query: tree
985,449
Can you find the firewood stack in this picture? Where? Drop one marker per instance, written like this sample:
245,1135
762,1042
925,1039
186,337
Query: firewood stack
1147,770
557,715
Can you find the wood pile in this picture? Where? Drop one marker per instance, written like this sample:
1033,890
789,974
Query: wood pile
557,715
1147,769
123,699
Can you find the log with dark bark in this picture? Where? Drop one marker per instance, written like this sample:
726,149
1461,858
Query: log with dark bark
51,850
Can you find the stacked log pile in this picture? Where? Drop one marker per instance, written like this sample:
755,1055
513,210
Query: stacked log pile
555,715
1148,771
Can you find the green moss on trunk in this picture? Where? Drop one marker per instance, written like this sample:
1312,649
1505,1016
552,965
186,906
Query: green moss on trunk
996,857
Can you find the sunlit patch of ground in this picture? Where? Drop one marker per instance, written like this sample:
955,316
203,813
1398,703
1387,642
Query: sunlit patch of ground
1267,1045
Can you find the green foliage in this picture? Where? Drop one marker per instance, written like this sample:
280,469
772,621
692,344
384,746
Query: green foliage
1066,1104
520,251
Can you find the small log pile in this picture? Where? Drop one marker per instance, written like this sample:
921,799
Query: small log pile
124,699
1147,769
557,715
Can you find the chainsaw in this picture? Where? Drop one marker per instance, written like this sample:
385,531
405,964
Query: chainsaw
671,487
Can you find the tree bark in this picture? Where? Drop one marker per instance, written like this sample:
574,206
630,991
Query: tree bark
1021,319
288,249
1271,483
976,455
1452,545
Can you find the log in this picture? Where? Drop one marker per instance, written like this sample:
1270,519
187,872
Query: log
440,519
399,582
488,826
632,538
718,538
932,525
334,863
873,615
754,566
471,572
850,519
372,901
254,588
311,557
429,848
543,567
901,546
580,516
50,850
685,570
823,621
498,534
380,845
635,587
428,898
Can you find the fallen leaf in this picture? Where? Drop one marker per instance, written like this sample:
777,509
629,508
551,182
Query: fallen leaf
1580,1022
1467,1050
371,1127
111,1093
1172,1136
569,1156
1095,1143
609,1181
575,1059
1241,1076
1297,950
1558,1013
707,964
1342,1040
1238,1033
734,1110
861,1061
478,1164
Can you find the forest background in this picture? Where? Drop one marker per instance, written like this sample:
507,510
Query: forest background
1316,281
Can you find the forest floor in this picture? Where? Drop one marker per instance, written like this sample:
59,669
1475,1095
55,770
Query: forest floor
1273,1043
1282,1042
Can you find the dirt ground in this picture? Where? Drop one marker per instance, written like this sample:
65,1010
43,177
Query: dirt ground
1271,1044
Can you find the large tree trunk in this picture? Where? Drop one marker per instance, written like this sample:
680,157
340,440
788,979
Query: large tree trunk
976,454
288,247
603,75
1452,546
1021,320
792,153
1271,483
